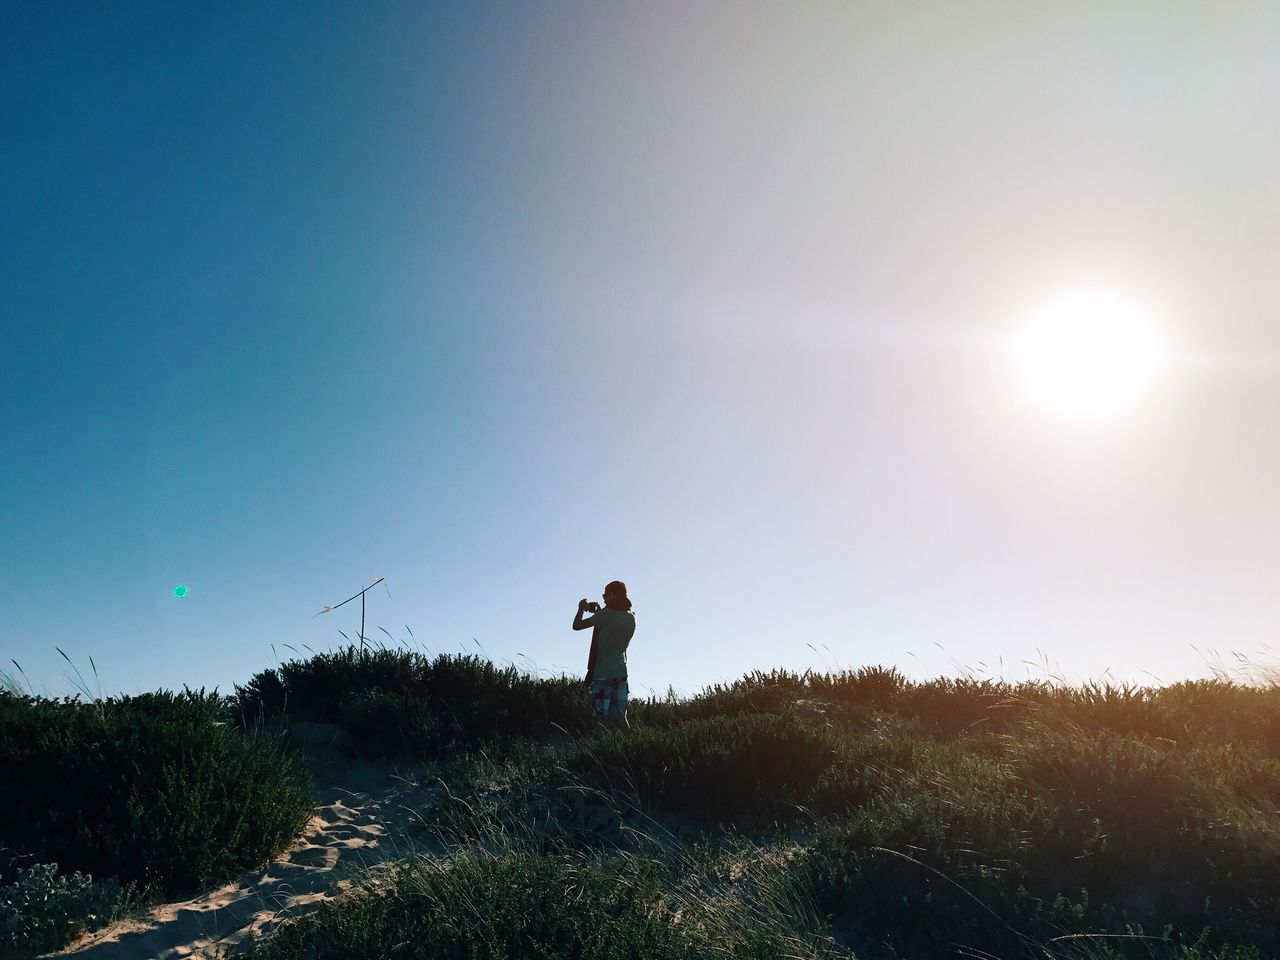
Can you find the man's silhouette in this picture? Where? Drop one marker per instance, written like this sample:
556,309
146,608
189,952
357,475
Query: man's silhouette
612,629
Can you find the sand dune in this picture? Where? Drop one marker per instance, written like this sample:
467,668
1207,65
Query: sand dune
362,819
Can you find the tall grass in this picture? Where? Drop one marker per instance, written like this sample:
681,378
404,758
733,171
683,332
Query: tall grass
505,889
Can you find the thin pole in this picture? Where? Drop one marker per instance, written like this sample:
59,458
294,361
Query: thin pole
362,621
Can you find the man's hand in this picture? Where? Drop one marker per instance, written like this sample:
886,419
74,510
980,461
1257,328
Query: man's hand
583,604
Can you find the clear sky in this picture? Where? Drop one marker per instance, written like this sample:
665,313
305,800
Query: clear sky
504,301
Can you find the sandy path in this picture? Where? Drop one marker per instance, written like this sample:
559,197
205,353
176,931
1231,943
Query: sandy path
361,820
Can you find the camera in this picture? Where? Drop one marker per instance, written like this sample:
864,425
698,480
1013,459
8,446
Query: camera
593,607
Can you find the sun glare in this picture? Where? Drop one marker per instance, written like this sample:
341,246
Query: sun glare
1088,356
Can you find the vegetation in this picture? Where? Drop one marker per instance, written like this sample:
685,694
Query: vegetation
153,795
41,909
530,900
804,815
955,815
402,702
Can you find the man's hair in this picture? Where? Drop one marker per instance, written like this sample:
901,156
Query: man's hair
619,591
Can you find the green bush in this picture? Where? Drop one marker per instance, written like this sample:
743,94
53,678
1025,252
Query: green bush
930,872
869,688
1187,837
1195,711
153,790
855,699
951,707
742,767
394,701
41,909
1005,844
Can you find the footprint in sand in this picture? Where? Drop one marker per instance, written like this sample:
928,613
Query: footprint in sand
351,834
315,856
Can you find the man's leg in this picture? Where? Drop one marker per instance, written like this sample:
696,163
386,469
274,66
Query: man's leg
619,706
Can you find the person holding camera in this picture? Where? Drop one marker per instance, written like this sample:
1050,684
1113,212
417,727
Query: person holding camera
611,630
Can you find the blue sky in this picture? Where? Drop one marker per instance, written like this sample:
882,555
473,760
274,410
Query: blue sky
503,302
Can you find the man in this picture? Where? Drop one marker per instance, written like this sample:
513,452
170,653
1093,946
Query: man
612,629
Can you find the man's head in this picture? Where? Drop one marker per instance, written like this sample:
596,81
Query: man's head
615,595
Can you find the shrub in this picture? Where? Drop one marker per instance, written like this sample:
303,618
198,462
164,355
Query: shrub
930,873
394,701
951,707
148,789
1187,837
1057,835
746,766
41,909
778,691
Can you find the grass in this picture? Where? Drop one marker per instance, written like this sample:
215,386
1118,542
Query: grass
507,890
852,813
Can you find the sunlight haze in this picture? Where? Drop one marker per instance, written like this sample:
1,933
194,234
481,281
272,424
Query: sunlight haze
735,303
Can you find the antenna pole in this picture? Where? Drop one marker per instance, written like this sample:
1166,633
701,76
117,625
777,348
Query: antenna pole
349,599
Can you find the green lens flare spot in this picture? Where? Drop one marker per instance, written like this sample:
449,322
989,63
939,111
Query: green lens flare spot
180,590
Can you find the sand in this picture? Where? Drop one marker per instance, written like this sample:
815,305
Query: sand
364,817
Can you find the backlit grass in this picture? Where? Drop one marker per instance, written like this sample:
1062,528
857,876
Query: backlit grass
846,814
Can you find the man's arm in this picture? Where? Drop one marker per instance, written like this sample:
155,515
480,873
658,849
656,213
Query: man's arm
578,622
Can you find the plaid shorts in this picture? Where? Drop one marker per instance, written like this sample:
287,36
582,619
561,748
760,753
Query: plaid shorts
609,697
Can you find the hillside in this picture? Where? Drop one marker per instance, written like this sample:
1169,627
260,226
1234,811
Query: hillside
386,804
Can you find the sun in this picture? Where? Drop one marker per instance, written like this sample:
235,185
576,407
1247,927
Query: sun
1089,355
